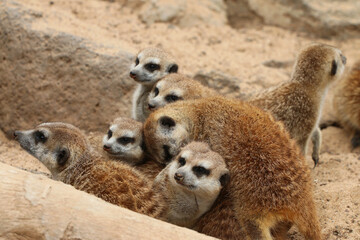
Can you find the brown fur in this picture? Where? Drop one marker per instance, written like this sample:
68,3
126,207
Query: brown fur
192,196
114,182
347,102
180,86
270,181
298,102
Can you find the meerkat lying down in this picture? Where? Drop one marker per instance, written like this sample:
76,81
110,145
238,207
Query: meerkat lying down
270,180
65,151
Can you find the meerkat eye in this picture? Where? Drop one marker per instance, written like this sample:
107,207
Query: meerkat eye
109,134
182,161
333,68
200,171
39,137
125,140
152,67
62,156
172,98
156,91
173,68
137,61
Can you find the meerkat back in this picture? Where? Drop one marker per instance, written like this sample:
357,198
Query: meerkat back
347,103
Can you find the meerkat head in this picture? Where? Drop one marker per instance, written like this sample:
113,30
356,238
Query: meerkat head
55,144
151,64
165,132
124,140
319,65
200,170
172,88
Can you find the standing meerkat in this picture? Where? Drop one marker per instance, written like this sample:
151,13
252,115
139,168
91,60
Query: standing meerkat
191,183
270,180
176,87
151,64
346,102
124,142
298,103
65,151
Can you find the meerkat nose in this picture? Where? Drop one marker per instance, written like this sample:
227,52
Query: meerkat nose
132,74
178,177
151,107
343,59
106,147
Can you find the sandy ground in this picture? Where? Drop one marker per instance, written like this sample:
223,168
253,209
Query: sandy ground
236,52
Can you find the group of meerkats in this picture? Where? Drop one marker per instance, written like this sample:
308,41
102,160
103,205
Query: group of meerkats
228,168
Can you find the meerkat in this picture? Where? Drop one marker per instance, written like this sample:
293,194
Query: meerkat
66,152
191,183
270,180
124,142
346,103
151,64
176,87
298,103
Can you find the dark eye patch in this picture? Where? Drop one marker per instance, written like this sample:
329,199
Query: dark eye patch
109,134
182,161
172,98
156,91
137,61
151,67
125,140
200,171
333,68
62,156
39,137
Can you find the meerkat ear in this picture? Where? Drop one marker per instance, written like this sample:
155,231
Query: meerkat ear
224,179
167,122
173,68
333,68
62,156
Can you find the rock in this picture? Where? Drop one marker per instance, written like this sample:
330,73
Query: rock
321,18
184,13
226,85
33,207
54,76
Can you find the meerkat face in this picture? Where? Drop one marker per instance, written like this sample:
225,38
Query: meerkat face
320,64
164,93
164,135
124,140
199,170
56,145
151,64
